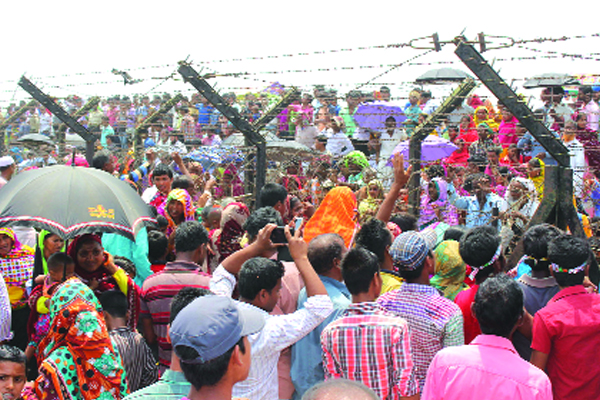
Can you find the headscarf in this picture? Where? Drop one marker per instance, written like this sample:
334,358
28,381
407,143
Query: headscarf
356,157
40,263
336,214
189,211
538,181
237,186
450,269
16,268
105,280
233,217
370,205
527,207
493,125
77,358
428,207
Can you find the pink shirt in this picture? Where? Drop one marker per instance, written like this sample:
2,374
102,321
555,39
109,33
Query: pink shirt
488,368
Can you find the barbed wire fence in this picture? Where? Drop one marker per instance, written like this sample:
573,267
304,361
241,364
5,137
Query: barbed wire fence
229,169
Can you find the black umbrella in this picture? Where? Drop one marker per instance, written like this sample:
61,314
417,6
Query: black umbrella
443,75
549,80
71,201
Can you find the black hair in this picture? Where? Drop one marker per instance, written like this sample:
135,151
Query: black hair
162,169
184,297
405,221
359,267
477,248
390,119
436,171
413,274
59,260
535,244
498,305
375,237
12,354
585,89
454,233
535,163
259,219
100,159
162,221
127,265
158,243
568,252
189,235
259,273
323,250
293,201
322,138
494,149
271,194
182,182
208,373
114,302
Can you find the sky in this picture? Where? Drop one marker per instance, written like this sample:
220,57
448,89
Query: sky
69,47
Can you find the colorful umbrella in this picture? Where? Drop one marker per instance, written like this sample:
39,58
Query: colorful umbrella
372,115
432,148
71,201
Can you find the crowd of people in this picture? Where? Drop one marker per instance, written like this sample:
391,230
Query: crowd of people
322,285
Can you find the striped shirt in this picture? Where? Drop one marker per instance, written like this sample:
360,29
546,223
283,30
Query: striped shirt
139,363
158,291
434,321
370,345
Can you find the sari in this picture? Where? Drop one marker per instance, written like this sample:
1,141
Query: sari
233,217
189,211
16,268
489,121
428,214
369,206
77,358
235,187
105,280
538,181
450,270
336,214
40,265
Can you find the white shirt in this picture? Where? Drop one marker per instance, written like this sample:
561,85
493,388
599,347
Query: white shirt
279,332
149,194
578,165
389,143
339,145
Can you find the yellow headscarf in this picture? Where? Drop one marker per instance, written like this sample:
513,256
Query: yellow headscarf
489,121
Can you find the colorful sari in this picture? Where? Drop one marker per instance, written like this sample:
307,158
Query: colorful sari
77,358
489,121
233,217
450,270
189,211
16,268
336,214
105,280
369,206
40,266
428,215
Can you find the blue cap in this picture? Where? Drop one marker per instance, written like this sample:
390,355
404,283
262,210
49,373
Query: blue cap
212,325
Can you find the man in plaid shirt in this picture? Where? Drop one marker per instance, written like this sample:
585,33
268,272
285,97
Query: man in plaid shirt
368,344
435,322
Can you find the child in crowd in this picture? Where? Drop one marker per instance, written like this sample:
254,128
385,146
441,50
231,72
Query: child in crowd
60,268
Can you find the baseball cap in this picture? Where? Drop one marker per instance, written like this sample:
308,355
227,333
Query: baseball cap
409,250
211,325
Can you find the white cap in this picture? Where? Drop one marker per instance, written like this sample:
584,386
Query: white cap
6,161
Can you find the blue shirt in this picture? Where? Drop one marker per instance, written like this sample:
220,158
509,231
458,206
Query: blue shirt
307,355
204,113
531,147
476,215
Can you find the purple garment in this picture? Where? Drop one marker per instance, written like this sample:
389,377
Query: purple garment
428,207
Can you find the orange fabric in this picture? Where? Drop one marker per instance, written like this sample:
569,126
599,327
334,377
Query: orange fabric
336,214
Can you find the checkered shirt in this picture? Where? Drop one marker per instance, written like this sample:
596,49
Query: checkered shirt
434,321
370,345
